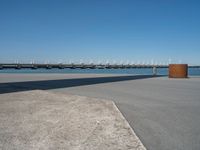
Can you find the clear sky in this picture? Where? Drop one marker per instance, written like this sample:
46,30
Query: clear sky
100,30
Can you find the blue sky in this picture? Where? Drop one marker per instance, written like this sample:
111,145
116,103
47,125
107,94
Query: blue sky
100,30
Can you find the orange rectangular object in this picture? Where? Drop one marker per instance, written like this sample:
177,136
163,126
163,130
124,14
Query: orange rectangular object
178,71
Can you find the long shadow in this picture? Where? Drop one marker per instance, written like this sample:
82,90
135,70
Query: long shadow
64,83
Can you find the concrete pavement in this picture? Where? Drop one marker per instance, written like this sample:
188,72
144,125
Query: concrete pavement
42,120
164,113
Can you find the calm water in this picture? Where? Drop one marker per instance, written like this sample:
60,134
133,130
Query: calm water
161,71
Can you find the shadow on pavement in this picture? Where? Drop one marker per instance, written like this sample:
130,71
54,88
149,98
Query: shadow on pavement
64,83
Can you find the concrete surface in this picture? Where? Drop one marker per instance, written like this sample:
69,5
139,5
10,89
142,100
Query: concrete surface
19,77
42,120
164,113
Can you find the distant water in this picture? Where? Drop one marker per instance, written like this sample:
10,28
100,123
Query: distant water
147,71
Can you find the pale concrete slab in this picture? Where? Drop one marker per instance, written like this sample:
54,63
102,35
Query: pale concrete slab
43,120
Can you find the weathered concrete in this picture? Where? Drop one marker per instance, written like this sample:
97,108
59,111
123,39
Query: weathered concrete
164,113
42,120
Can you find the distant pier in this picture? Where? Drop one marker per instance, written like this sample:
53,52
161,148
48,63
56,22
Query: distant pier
79,66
